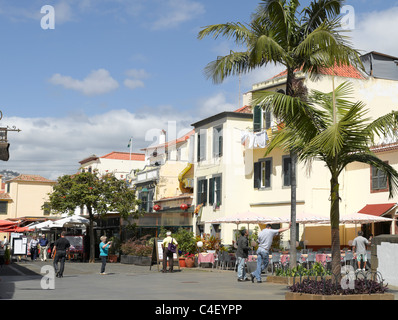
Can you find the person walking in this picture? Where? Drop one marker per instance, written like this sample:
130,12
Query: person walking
33,248
359,249
5,242
104,247
167,252
61,246
43,242
265,238
242,253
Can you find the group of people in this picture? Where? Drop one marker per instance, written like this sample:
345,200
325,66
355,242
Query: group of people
59,251
39,246
265,238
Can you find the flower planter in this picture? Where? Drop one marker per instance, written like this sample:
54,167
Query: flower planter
136,260
307,296
182,262
189,262
291,280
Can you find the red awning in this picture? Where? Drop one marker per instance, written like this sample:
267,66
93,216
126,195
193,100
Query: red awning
377,209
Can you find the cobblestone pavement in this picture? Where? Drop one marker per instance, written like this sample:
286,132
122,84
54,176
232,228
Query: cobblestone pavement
24,281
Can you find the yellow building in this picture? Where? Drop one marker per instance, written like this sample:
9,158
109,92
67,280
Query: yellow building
24,197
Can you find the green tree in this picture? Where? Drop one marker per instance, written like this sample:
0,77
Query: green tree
100,194
279,32
331,128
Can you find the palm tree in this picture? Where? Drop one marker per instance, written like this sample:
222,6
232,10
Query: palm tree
331,128
279,33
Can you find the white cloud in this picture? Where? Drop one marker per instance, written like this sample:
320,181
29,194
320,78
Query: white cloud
138,75
134,83
177,12
52,147
375,31
216,104
96,83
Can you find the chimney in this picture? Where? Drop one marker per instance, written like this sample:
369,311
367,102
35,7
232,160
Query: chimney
162,137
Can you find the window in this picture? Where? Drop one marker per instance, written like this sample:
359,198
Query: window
262,173
378,180
202,192
3,207
201,145
146,197
286,170
46,208
261,119
217,142
215,190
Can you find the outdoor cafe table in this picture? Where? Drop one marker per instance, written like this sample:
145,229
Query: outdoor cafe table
206,258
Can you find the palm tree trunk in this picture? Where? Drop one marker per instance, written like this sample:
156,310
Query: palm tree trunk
335,225
91,233
293,185
293,229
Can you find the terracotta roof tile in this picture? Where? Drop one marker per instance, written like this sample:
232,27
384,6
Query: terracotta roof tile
244,109
124,156
338,70
31,177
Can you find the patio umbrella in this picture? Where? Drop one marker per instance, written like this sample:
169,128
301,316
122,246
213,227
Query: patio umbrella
71,221
45,225
362,218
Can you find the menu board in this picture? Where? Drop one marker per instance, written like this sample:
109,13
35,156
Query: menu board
20,246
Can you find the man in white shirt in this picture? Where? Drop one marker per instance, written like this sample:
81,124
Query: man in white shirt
359,248
265,238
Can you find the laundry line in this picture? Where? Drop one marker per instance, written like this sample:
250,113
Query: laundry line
253,140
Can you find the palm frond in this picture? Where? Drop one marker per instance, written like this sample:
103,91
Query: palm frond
384,126
232,64
238,31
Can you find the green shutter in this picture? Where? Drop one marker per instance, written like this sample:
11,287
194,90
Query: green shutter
219,189
211,191
257,113
257,175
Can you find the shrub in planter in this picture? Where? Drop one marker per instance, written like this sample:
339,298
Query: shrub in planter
136,247
329,287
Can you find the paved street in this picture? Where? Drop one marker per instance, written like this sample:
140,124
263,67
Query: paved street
24,281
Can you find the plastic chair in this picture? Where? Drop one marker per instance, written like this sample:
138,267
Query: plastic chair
310,259
298,258
224,259
349,256
275,260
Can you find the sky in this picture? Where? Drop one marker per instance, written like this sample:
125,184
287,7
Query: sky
108,70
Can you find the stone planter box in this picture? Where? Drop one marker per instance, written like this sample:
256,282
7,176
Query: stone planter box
306,296
136,260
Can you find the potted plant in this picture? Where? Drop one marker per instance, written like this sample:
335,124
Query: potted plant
189,260
7,256
114,250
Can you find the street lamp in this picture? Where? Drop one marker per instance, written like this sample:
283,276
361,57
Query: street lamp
4,145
